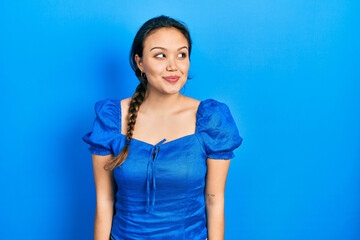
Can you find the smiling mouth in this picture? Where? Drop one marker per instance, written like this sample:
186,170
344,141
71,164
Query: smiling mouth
172,78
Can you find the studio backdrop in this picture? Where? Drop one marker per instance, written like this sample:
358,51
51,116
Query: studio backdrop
288,70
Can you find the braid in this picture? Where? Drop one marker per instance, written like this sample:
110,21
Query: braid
134,106
135,103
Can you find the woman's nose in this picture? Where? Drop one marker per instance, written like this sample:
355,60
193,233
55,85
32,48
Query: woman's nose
171,65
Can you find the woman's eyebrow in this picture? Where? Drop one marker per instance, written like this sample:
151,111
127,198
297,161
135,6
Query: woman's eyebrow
166,49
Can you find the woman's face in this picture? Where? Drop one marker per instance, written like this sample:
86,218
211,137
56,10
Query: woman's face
165,54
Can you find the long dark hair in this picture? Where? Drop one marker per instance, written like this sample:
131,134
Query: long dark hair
139,95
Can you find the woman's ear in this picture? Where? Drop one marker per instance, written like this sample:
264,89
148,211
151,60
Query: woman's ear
139,63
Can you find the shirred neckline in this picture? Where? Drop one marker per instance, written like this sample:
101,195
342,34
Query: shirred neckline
174,140
153,145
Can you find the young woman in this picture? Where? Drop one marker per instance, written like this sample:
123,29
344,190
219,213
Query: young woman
160,159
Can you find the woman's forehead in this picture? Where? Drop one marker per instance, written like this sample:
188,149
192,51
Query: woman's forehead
168,38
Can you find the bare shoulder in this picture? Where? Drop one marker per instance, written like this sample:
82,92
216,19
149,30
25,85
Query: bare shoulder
191,104
125,103
126,100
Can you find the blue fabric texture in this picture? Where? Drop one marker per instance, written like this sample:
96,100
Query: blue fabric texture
160,189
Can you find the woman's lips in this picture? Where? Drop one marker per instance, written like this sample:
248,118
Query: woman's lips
172,79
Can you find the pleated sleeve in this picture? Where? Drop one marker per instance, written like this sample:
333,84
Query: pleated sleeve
105,127
217,130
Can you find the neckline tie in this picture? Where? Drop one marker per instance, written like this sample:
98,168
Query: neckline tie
150,178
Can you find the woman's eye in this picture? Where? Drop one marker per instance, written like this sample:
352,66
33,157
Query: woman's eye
183,55
159,55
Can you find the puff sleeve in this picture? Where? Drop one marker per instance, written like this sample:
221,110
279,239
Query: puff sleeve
105,127
217,130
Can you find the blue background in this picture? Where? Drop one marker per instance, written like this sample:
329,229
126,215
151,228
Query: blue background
288,70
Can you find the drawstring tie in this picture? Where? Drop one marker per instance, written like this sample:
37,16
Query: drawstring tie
151,175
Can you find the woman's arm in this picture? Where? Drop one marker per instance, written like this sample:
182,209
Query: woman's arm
104,185
217,170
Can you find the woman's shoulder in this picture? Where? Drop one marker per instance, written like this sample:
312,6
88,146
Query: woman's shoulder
108,109
125,101
206,107
106,104
214,116
105,126
112,104
217,128
190,104
212,106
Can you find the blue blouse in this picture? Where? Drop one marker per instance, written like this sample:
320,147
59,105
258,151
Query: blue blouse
162,196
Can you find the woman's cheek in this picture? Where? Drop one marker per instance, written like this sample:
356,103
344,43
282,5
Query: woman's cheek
157,66
184,65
